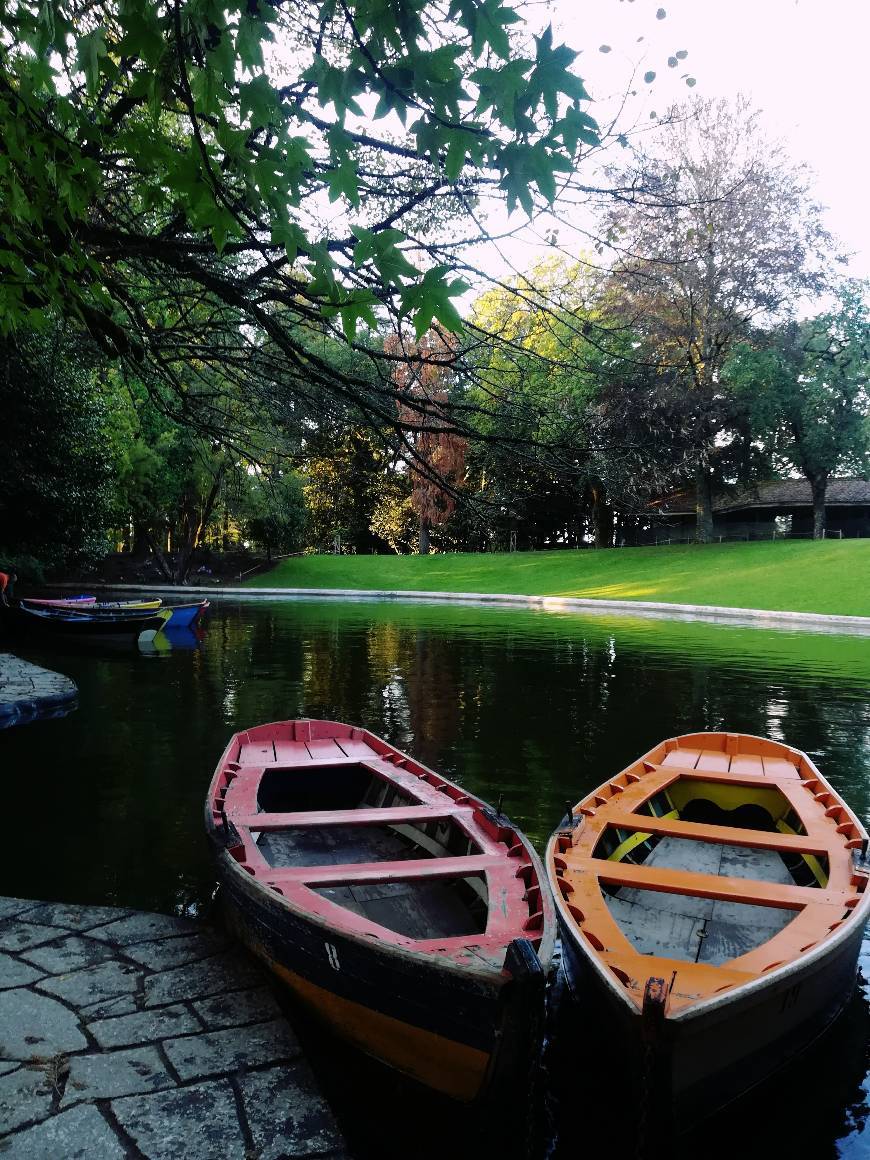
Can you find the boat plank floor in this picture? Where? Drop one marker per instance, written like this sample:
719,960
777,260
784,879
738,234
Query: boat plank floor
328,845
705,930
422,910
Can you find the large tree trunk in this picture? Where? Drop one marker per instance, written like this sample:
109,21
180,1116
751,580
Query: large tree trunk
160,560
141,541
602,517
423,543
196,514
819,486
703,504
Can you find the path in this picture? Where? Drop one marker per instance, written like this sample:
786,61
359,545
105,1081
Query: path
125,1034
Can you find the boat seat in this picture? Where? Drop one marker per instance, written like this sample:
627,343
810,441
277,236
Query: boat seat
370,872
314,882
727,888
374,816
723,835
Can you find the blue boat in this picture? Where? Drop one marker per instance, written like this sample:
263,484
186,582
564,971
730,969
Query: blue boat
186,615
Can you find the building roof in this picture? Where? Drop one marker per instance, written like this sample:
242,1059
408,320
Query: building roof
772,493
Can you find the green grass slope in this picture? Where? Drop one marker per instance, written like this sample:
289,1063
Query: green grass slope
831,576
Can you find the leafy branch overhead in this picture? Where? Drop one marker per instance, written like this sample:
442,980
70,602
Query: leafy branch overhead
258,154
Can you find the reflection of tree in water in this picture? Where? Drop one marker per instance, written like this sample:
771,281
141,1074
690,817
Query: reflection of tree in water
541,709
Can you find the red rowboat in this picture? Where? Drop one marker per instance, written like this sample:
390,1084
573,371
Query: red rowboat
401,908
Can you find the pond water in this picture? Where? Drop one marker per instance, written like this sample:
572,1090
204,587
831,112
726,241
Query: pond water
105,806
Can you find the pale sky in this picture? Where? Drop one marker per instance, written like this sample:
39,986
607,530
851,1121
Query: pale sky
804,62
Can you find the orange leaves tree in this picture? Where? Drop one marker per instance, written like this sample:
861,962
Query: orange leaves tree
423,376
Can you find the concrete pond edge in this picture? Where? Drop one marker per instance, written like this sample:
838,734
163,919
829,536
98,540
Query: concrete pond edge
716,614
29,692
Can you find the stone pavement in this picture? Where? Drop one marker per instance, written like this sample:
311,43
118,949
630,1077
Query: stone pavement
125,1034
29,693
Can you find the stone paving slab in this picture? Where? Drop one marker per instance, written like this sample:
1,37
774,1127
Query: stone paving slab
128,1035
287,1114
199,1122
175,952
143,1026
73,918
80,1133
116,1073
20,936
93,984
234,1010
12,906
231,971
30,693
25,1095
71,953
219,1052
14,973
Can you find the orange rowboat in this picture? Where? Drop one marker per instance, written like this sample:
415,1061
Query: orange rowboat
715,890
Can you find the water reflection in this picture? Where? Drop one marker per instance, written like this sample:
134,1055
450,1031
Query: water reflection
537,706
105,805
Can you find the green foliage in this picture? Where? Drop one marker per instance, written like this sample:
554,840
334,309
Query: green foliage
273,514
348,479
568,416
808,389
139,134
55,461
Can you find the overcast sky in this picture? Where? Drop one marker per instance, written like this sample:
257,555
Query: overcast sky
804,62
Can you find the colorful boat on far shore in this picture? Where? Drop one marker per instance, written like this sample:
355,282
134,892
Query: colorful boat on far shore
186,615
19,620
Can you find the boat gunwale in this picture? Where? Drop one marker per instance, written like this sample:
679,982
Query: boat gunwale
405,948
799,963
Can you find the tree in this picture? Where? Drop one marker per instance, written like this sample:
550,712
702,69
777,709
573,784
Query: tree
808,388
346,473
719,234
273,511
166,167
56,452
581,430
435,453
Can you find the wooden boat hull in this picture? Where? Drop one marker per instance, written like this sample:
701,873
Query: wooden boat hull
436,1026
707,1062
103,608
79,626
186,615
22,622
60,601
711,980
464,1022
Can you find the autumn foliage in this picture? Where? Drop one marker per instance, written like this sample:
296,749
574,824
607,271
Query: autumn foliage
435,453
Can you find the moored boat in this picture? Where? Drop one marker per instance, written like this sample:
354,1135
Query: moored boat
714,892
91,606
21,620
59,601
401,908
186,615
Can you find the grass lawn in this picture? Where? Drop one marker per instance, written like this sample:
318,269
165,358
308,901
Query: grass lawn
795,575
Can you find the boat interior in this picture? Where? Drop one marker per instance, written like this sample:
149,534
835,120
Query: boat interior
723,851
417,907
699,929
